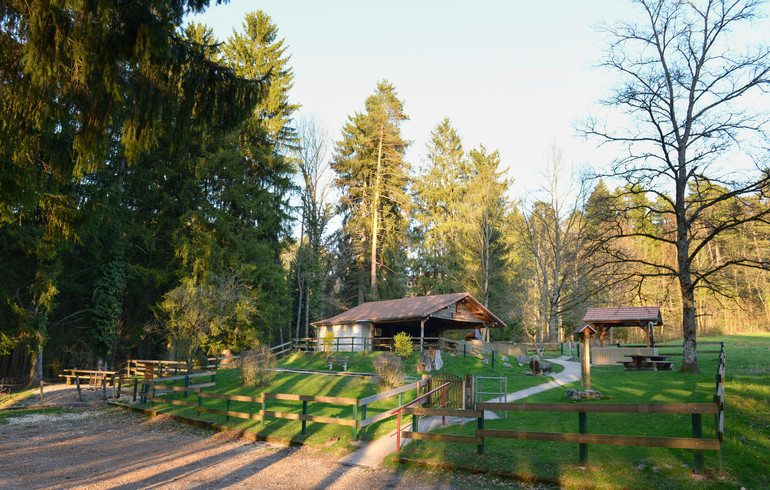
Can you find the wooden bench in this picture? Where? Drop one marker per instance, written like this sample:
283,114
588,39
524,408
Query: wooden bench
341,360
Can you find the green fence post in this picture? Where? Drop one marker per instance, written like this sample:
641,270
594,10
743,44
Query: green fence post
200,404
415,427
355,426
583,429
186,383
363,417
304,422
338,344
697,433
227,416
264,405
561,348
216,363
401,398
480,425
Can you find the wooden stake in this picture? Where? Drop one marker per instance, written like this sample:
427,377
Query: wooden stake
41,391
77,383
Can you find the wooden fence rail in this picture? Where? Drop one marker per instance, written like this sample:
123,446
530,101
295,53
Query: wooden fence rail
582,438
160,390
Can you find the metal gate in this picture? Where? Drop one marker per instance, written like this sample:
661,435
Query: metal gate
454,392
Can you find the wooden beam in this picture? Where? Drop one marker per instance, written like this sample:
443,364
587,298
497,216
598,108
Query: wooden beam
645,441
427,436
668,408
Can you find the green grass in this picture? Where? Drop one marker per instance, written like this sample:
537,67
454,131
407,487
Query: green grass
745,451
228,382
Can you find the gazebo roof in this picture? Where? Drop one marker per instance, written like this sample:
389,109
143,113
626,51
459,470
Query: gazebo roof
624,315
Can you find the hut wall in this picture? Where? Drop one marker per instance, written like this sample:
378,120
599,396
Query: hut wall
355,337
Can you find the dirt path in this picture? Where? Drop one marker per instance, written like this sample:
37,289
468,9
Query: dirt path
109,448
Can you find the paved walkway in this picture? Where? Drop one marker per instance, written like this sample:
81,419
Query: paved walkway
373,453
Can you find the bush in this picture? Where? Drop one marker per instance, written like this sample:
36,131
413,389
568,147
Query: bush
390,371
328,339
402,344
258,366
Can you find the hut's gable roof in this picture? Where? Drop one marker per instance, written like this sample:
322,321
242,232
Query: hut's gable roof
623,314
406,308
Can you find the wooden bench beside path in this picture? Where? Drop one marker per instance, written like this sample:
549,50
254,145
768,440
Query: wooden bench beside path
339,360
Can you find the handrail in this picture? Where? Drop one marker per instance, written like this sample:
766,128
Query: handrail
398,410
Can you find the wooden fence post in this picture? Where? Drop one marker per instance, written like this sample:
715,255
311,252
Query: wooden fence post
41,391
697,433
583,429
80,393
480,425
104,387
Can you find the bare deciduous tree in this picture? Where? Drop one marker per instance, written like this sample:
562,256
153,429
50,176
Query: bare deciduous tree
683,87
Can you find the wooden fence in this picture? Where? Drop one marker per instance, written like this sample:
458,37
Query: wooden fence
138,367
160,390
696,410
365,344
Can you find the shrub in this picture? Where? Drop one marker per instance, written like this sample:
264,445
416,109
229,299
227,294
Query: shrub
390,371
258,366
328,339
402,344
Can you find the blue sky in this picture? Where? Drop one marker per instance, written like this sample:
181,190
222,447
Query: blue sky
513,76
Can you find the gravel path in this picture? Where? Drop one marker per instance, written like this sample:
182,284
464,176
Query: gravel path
109,448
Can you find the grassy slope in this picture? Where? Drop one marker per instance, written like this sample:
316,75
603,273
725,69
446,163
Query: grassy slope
228,381
745,451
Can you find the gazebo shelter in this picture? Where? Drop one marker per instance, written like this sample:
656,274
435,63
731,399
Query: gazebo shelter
421,317
644,317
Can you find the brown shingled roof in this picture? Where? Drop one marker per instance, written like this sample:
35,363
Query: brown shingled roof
623,314
406,308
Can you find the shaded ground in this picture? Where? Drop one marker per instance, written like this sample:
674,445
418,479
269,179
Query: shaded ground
109,448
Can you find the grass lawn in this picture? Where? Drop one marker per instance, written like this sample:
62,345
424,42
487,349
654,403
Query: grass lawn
745,451
228,382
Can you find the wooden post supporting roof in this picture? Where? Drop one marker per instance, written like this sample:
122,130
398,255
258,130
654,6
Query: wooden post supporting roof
585,356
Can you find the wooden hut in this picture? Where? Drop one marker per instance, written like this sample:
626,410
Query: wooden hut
421,317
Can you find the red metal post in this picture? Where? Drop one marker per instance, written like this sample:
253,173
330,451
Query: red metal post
398,432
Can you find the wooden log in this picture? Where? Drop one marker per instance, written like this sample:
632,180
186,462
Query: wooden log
643,441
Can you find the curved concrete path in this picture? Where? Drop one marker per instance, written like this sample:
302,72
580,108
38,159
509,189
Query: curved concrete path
373,453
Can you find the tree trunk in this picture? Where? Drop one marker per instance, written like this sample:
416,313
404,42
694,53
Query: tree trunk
375,219
307,312
690,356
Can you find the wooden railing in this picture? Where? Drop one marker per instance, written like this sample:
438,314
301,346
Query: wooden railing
367,344
582,438
156,391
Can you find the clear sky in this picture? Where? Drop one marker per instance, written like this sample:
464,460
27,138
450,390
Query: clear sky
513,76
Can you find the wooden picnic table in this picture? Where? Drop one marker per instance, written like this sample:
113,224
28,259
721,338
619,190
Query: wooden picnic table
648,362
